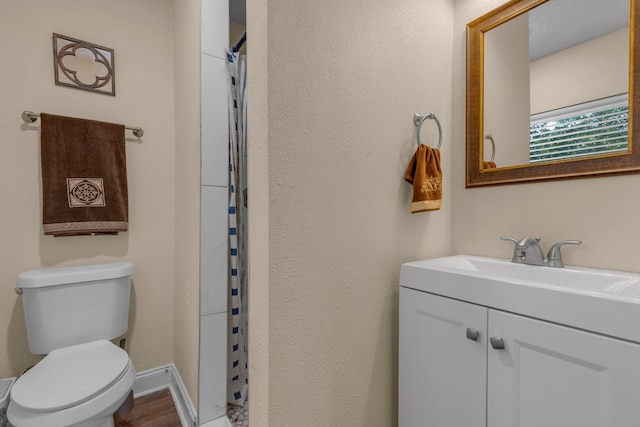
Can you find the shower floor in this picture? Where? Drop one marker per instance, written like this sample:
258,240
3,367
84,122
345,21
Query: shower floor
238,415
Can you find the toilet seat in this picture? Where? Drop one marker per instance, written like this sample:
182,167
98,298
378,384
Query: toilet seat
69,376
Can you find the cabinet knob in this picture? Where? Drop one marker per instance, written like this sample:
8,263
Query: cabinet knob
473,334
497,343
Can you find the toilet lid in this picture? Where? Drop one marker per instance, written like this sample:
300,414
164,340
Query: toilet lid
69,376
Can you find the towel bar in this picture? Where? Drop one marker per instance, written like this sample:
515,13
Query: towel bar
419,119
30,117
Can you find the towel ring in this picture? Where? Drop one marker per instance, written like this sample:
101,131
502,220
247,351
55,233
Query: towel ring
493,146
419,119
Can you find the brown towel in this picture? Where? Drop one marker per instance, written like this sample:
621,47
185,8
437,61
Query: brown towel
425,174
488,165
84,177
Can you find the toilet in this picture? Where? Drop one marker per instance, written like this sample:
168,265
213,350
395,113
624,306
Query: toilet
71,313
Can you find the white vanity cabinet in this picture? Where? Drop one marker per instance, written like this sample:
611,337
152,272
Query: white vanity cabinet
547,375
442,373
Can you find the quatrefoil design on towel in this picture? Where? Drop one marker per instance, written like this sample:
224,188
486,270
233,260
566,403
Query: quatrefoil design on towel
85,192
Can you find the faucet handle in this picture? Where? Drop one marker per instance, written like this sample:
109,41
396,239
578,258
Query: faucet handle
554,257
517,254
509,239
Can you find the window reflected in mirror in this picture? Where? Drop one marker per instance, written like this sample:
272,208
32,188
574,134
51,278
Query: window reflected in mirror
589,129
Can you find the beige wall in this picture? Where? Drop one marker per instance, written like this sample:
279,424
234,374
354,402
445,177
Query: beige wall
591,70
602,212
506,91
141,34
333,88
259,218
186,66
343,81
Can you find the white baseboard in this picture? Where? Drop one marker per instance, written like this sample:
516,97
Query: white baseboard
167,377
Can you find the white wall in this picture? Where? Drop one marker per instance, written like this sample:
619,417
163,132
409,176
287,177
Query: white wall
334,86
213,210
144,97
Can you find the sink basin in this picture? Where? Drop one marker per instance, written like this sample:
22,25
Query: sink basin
603,301
571,279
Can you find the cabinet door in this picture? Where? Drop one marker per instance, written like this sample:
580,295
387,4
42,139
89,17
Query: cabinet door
442,373
554,376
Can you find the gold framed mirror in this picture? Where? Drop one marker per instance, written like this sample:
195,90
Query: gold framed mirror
488,80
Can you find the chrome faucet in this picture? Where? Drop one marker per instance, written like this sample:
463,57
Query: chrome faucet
528,251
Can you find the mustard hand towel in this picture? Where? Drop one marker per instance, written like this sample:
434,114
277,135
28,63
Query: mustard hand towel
84,177
425,174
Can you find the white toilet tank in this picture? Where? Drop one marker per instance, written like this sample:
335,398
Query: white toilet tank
73,305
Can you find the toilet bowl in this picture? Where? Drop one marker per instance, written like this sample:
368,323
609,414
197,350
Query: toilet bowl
78,386
71,313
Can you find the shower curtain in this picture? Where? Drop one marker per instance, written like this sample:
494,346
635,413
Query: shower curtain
238,382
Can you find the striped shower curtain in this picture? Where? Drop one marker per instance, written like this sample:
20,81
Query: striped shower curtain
237,379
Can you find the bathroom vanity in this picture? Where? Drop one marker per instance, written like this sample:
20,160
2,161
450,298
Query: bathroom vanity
485,342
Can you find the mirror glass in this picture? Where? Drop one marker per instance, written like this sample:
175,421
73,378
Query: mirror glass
550,91
544,89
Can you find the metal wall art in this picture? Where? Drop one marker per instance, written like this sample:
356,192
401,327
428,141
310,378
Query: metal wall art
83,65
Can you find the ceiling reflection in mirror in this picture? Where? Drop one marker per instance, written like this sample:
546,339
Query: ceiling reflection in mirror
556,82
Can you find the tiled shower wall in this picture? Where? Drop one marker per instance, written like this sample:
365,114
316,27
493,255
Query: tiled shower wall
213,210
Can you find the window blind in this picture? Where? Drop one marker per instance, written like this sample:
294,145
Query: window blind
592,128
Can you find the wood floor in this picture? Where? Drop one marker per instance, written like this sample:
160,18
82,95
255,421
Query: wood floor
153,410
